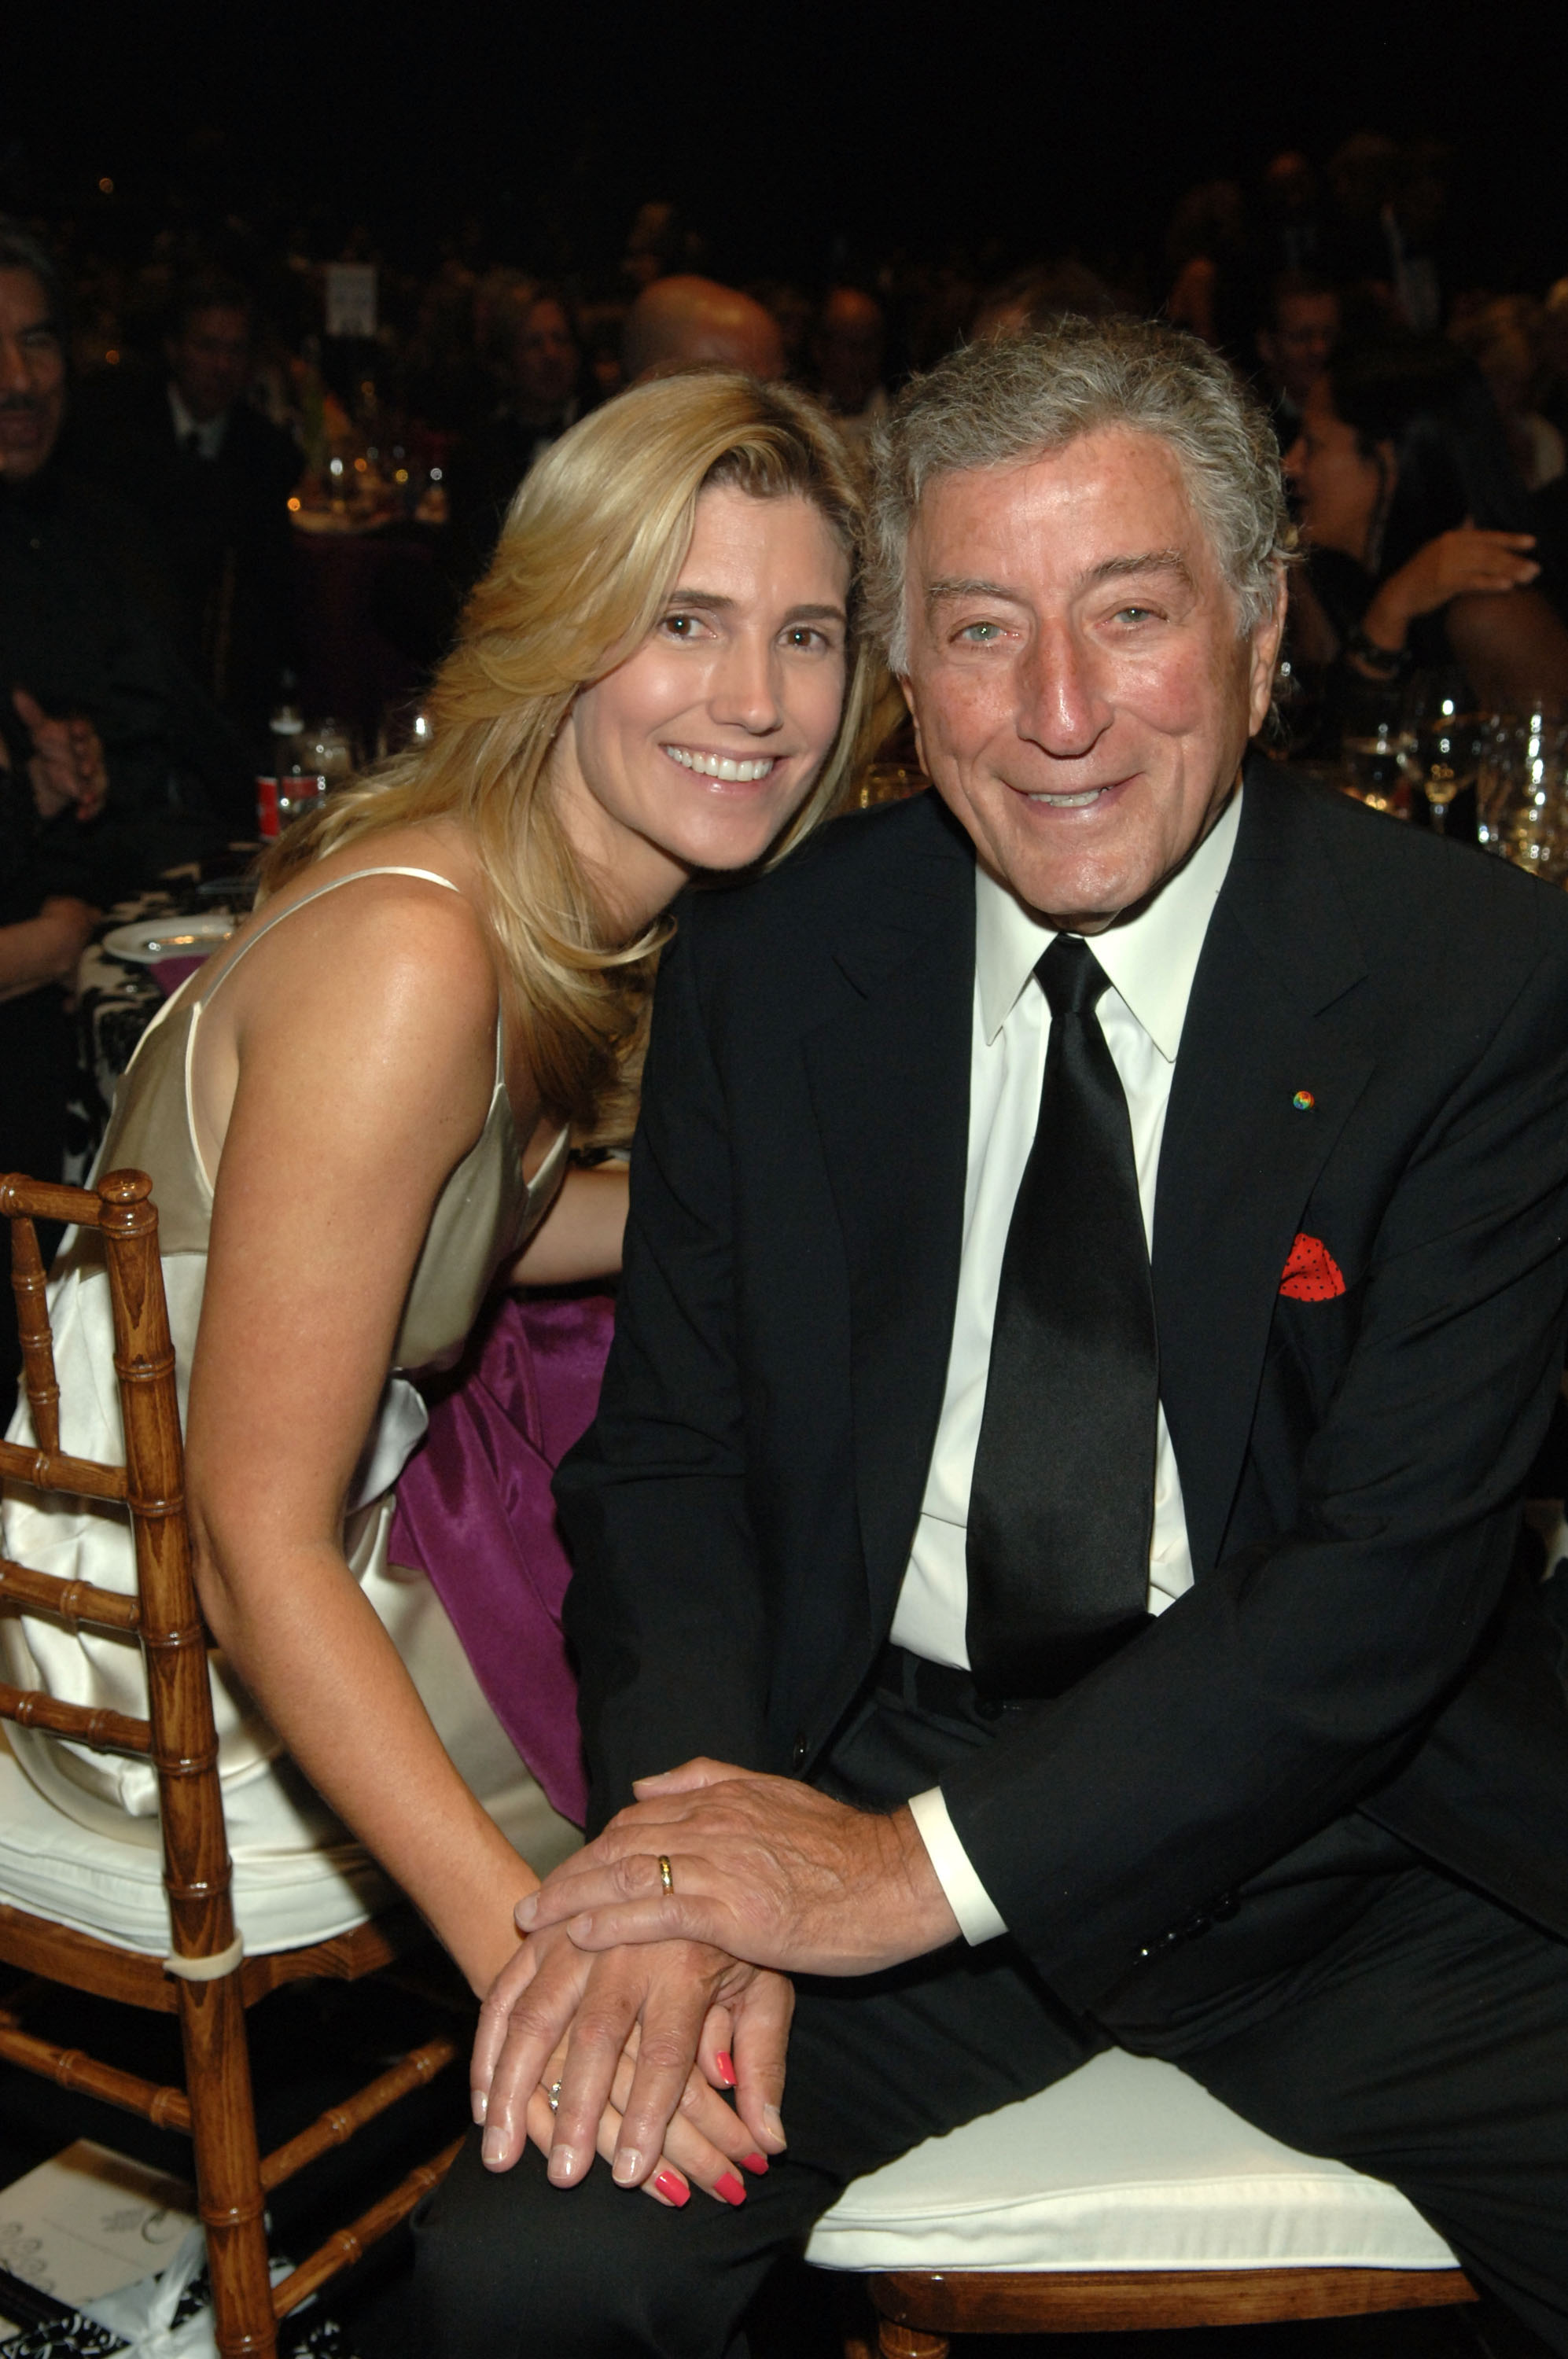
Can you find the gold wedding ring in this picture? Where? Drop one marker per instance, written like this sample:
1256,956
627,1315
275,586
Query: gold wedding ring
666,1873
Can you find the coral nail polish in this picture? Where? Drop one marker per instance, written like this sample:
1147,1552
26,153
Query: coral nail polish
668,2185
730,2187
755,2162
725,2063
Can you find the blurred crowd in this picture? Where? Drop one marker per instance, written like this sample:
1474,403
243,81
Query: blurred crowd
245,470
189,413
220,400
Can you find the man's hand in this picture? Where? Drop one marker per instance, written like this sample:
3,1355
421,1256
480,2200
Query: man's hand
67,764
684,2000
764,1868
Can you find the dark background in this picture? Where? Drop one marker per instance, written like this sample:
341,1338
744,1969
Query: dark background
796,135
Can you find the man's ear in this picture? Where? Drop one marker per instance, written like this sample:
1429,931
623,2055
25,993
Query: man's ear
909,696
1266,644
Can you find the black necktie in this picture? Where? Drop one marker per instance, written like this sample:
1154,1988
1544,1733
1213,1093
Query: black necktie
1062,1499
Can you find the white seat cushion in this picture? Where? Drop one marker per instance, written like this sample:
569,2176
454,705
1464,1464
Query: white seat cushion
1127,2164
53,1866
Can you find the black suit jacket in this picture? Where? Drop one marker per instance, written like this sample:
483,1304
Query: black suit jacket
220,527
742,1511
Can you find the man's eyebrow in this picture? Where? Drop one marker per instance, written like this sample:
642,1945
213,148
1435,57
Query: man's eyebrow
970,586
1148,560
1110,568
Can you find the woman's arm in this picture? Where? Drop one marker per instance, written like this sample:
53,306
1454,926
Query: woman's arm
363,1045
580,1236
1459,563
363,1065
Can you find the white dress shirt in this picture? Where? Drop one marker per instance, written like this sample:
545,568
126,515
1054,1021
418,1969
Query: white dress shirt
1150,962
208,433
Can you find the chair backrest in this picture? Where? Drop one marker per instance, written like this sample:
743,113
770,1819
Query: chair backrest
165,1615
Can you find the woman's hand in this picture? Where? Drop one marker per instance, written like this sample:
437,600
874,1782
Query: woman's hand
707,2144
682,2019
1463,561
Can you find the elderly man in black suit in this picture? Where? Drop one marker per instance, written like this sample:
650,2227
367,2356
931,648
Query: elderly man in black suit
1045,1556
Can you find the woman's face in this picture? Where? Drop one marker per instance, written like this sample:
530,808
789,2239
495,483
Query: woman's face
695,751
1338,484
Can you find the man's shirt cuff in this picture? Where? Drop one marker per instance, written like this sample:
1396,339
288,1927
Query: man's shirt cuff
978,1918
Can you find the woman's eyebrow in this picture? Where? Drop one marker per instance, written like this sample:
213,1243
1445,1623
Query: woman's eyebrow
714,601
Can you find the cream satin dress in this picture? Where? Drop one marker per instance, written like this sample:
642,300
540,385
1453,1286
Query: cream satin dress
79,1832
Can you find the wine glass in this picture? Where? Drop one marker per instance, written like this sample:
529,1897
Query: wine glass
1372,754
1443,735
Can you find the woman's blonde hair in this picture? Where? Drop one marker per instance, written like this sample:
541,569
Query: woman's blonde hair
591,549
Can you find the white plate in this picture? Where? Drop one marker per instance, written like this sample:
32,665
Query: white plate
152,938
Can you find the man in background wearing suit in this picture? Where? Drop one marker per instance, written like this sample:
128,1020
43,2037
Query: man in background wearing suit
1095,1286
212,476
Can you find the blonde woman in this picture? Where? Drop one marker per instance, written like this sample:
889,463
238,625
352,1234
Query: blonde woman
358,1114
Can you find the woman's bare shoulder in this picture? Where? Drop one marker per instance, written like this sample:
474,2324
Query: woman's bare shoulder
359,922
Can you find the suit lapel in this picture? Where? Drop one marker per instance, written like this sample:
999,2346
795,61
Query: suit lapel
890,1082
1240,1157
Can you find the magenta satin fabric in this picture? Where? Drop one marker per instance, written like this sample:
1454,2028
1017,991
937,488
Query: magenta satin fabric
474,1511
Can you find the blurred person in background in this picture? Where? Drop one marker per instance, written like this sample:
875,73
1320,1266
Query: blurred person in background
794,311
1207,249
1300,325
689,323
88,620
657,243
1386,234
848,345
1552,335
1500,340
1290,223
1418,533
210,476
540,400
1044,292
602,326
51,781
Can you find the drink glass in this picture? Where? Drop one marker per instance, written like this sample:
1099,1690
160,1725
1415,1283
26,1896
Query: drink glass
1443,734
1373,765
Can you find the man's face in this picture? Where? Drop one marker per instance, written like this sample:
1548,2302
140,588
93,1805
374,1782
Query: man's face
210,361
1081,695
1296,349
32,377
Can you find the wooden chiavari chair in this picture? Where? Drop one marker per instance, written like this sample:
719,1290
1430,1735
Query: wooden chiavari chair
206,1980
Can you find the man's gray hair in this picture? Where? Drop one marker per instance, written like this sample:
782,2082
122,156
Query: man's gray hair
989,404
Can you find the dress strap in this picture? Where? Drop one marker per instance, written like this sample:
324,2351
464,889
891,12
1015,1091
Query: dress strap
427,876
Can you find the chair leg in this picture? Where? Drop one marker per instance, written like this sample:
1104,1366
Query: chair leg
228,2172
895,2341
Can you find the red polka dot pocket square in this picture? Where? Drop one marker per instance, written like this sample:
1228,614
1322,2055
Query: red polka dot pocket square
1311,1273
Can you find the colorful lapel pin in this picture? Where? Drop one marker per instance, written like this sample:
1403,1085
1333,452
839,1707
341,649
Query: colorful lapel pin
1303,1100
